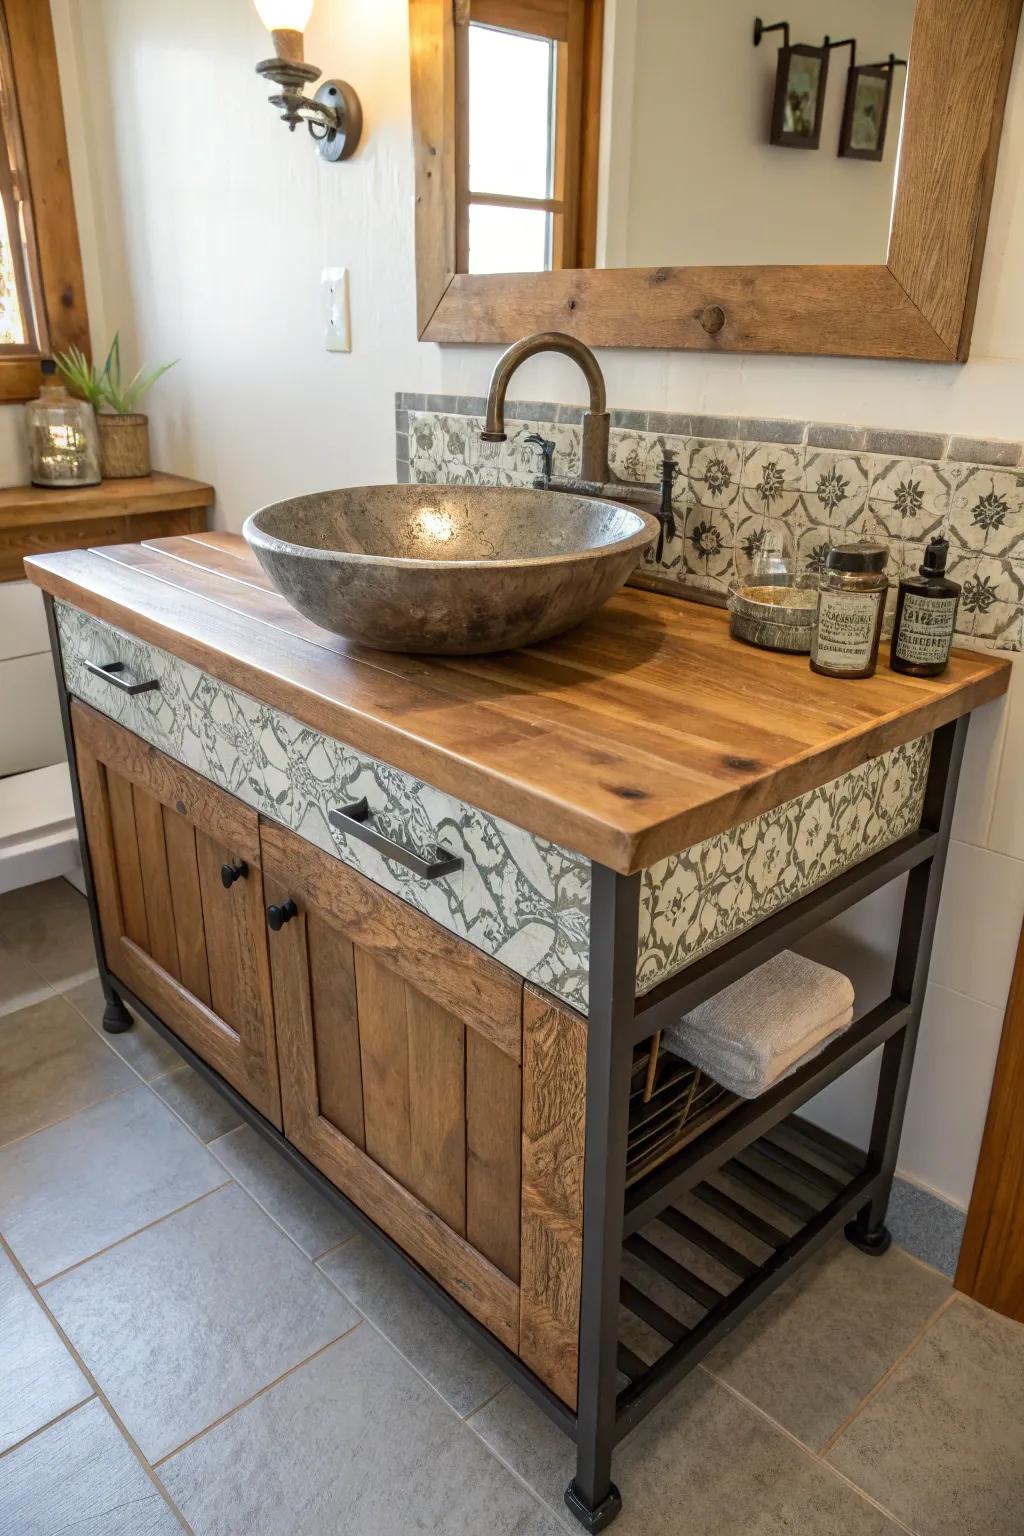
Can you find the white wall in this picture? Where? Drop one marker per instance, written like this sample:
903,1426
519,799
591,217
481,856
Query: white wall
691,177
205,226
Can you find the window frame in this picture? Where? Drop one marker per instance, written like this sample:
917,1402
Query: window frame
62,318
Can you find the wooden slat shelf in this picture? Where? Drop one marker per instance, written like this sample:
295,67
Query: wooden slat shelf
35,520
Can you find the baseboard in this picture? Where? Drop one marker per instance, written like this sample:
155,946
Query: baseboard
38,836
924,1225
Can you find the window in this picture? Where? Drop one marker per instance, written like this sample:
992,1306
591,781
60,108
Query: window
522,69
42,301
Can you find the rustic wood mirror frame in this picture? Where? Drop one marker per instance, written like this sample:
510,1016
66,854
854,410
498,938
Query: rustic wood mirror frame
919,305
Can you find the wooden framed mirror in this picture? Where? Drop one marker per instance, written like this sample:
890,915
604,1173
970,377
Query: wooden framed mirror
927,211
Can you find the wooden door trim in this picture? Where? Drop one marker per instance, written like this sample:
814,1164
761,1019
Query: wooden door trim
919,304
991,1267
478,990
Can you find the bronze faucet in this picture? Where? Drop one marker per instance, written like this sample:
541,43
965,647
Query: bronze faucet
596,421
595,477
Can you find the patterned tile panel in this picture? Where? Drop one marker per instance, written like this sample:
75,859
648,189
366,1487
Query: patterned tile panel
747,484
695,901
519,898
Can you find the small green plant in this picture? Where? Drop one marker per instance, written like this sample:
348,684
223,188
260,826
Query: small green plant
105,386
124,397
84,377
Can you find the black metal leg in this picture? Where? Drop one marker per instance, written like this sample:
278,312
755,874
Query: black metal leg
868,1231
116,1018
615,906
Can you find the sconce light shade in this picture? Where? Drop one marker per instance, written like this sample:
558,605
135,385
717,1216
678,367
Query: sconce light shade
284,15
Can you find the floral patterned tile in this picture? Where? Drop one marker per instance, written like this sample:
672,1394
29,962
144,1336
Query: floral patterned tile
714,472
812,547
835,488
708,546
988,511
910,498
772,478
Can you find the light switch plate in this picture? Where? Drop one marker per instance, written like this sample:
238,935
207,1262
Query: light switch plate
334,291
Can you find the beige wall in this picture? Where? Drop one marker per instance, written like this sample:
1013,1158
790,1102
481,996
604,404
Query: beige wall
205,227
690,178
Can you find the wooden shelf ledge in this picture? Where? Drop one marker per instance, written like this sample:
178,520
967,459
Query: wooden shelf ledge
35,520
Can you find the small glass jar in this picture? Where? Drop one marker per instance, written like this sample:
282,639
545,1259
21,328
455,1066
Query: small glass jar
851,605
63,443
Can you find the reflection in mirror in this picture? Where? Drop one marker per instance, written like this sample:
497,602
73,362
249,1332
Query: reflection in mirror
651,145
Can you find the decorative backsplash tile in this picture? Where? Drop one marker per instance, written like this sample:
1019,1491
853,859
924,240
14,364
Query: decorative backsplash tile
747,484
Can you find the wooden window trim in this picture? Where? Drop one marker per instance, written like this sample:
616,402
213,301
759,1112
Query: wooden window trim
63,319
918,305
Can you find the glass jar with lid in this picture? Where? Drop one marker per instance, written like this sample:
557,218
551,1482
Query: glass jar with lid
63,443
851,605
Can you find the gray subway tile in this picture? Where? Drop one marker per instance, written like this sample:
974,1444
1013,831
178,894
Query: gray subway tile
441,405
671,423
714,426
842,439
470,405
402,447
630,421
530,410
905,445
401,421
569,415
402,474
756,429
982,450
411,402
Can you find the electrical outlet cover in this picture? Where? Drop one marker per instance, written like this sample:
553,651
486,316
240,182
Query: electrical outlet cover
334,290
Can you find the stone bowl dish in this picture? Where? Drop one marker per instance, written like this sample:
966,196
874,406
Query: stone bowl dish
447,570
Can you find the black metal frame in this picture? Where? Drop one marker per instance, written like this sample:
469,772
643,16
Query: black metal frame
837,1185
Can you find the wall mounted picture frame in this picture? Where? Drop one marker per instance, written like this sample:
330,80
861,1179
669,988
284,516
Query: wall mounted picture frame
866,110
800,84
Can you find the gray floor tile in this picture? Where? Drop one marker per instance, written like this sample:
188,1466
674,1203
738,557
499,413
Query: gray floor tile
41,899
353,1442
191,1317
56,939
79,1186
202,1109
942,1445
20,983
141,1047
38,1378
702,1462
284,1194
461,1373
80,1478
814,1349
51,1064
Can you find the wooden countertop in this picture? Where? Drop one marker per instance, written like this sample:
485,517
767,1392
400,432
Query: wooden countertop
633,736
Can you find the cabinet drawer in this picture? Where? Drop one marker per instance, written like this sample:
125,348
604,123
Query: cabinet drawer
517,897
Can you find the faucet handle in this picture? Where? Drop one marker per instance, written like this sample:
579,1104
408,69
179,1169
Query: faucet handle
547,449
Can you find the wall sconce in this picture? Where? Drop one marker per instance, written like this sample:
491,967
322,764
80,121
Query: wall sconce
866,109
800,82
334,114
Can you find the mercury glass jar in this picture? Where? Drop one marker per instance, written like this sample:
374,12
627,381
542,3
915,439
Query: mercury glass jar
851,605
63,443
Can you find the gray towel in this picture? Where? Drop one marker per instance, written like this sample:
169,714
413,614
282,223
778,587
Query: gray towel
765,1025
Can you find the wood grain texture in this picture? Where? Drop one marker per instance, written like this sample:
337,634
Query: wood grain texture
186,903
554,1125
126,854
919,306
493,1153
54,231
332,1000
471,986
961,52
156,881
637,734
991,1267
437,1107
384,1053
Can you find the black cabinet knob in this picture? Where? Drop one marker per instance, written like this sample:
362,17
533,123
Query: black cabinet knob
278,916
229,873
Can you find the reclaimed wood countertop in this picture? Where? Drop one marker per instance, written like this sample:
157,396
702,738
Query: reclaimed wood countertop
631,737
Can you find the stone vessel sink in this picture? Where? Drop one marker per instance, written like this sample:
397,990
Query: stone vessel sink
453,570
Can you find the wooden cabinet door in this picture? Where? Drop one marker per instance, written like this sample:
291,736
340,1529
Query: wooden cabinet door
190,946
400,1049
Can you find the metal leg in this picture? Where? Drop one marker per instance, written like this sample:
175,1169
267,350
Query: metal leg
868,1231
615,906
116,1018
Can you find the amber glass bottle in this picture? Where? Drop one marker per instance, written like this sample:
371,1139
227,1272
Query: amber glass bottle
922,632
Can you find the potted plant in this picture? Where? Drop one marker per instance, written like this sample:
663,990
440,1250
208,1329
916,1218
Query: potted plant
124,431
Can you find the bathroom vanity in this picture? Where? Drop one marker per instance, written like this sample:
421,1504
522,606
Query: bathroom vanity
416,918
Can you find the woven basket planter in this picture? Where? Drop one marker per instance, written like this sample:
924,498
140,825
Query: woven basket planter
124,446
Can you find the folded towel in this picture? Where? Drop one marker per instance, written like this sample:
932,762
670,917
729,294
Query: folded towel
765,1025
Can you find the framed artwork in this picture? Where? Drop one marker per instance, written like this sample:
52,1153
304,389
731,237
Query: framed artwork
799,96
866,111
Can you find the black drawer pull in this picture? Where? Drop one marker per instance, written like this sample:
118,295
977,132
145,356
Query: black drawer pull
229,873
278,916
353,819
114,672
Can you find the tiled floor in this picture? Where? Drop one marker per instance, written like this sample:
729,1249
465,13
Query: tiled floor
191,1339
